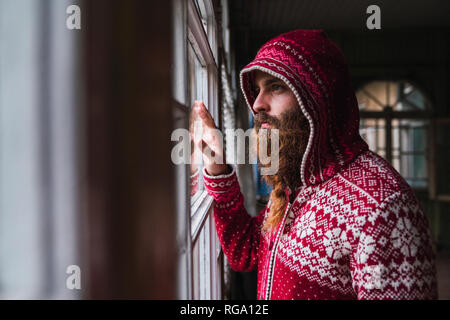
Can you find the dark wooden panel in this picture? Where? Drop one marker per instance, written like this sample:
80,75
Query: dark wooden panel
129,225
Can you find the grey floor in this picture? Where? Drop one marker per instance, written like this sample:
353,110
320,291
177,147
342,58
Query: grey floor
443,274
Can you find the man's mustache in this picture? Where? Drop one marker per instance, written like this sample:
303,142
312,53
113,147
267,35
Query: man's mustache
262,117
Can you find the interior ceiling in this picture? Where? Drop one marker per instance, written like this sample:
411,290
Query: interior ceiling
279,15
253,22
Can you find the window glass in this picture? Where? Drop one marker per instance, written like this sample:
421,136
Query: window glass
374,133
442,147
411,150
201,7
400,95
202,84
197,91
401,141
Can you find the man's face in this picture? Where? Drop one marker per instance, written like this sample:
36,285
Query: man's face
276,107
273,97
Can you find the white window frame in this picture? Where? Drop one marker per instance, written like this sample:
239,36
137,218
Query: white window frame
200,256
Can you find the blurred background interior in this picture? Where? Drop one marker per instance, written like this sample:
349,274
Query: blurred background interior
86,122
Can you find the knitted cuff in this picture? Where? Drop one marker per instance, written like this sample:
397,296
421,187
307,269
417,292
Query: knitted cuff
221,184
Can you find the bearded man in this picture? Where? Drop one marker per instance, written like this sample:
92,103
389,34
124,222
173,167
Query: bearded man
341,223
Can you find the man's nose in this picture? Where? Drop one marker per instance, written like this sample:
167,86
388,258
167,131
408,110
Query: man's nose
261,104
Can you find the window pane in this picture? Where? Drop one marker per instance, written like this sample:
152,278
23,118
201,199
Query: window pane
410,98
373,95
409,146
202,262
196,270
197,91
201,7
412,135
442,154
373,132
400,95
203,85
205,254
409,140
366,102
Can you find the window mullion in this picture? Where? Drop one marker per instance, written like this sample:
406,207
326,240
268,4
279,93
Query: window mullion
388,137
199,34
202,42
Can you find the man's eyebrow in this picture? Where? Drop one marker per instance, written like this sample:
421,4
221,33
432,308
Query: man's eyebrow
269,81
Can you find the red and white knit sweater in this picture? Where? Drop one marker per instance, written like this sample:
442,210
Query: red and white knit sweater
355,229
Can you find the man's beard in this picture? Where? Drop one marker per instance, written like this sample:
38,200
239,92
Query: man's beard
293,137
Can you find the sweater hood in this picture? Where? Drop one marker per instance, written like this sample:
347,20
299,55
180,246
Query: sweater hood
314,68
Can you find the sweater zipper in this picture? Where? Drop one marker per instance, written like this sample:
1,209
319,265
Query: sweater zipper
274,253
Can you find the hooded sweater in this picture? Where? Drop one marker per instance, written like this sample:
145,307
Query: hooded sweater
355,229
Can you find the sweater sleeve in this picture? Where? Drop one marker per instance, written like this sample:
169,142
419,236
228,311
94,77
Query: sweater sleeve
394,258
239,233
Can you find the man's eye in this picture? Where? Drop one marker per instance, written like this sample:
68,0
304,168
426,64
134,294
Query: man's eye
276,87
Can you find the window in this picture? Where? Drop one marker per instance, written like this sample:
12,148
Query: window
440,153
39,155
196,78
409,150
395,124
399,95
198,90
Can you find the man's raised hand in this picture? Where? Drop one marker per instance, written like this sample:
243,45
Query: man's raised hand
208,139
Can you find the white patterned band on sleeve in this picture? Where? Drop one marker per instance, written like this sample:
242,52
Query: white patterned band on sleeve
222,176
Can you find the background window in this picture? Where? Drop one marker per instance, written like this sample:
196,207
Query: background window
409,150
399,95
394,124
